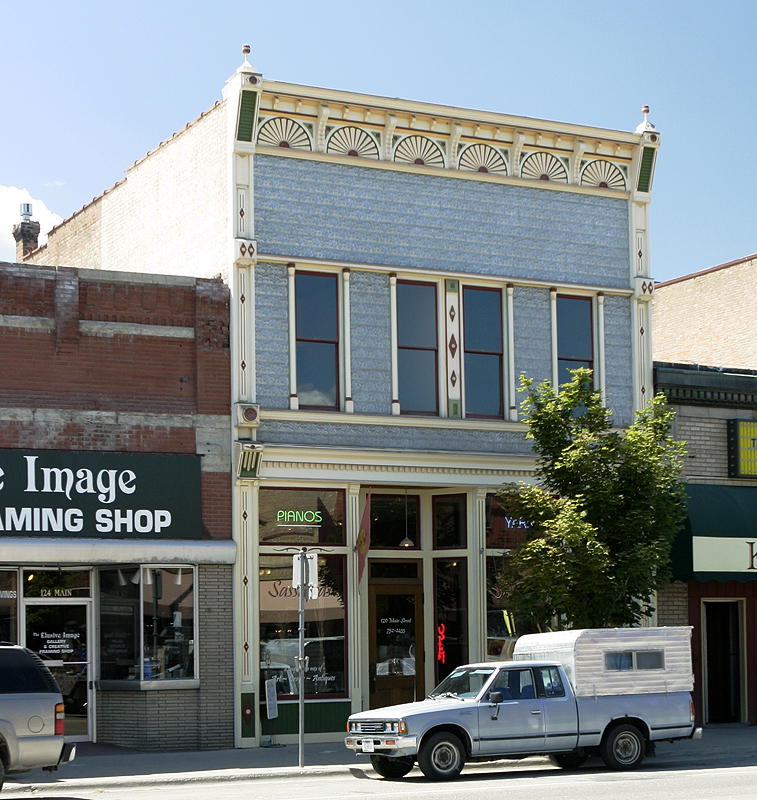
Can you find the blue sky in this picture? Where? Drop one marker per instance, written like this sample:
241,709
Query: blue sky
88,88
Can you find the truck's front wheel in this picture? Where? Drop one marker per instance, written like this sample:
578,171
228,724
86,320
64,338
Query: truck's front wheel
441,757
391,768
623,747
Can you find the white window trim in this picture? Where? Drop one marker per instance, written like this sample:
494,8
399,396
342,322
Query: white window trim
344,377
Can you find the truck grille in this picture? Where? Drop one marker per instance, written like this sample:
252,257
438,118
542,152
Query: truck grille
372,727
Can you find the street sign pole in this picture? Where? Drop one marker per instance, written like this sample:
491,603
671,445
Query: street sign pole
301,660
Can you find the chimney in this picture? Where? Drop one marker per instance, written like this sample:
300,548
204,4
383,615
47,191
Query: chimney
25,233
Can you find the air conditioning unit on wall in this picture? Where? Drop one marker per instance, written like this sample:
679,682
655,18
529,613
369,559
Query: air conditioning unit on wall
248,414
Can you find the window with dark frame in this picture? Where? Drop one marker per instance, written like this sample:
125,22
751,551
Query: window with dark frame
483,351
575,346
417,348
317,334
450,615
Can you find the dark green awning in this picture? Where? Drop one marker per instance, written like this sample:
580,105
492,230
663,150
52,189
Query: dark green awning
716,512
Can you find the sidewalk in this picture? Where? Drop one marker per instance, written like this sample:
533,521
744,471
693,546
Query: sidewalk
107,765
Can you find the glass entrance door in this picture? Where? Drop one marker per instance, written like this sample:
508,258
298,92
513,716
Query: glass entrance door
396,638
58,633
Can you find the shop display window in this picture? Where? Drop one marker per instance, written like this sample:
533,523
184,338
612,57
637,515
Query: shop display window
450,615
395,522
301,516
147,623
450,523
325,627
9,607
502,626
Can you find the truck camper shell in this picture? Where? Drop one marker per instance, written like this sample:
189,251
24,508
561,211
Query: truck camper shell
616,661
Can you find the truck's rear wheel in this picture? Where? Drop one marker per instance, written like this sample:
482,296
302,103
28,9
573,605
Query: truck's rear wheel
441,756
623,747
572,760
391,768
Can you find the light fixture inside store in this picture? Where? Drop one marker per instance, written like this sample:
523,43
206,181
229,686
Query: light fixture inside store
177,579
407,541
135,576
121,578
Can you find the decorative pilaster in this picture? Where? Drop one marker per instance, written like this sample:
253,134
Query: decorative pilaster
394,344
453,348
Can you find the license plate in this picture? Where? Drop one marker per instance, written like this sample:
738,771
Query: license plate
367,745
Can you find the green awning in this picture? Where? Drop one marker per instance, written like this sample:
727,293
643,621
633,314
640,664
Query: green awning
719,539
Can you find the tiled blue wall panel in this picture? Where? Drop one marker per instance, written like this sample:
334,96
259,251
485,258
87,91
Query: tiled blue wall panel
371,343
314,209
531,330
618,344
392,437
271,336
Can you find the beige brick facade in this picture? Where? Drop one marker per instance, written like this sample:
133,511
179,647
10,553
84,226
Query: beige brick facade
149,222
703,318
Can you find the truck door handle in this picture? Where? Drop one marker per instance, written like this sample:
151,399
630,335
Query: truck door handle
536,711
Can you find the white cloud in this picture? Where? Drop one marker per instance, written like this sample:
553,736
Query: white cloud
10,202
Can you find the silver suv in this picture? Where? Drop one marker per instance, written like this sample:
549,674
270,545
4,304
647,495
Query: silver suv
31,714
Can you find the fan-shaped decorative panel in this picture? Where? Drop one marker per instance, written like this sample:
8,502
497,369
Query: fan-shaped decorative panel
282,132
352,141
482,158
544,167
419,150
602,174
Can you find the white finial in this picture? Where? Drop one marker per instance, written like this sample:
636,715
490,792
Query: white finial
646,125
246,66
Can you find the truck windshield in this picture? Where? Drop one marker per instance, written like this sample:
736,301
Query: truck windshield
463,682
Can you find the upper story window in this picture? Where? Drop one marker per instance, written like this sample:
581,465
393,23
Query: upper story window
574,336
417,348
317,339
483,350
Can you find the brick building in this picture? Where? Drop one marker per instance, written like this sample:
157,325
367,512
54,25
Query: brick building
394,268
116,553
706,364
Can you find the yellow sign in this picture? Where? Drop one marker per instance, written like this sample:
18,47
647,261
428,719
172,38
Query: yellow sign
747,437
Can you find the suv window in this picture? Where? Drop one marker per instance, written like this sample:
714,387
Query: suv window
19,673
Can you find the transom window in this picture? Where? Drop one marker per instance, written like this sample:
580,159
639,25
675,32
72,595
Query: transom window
574,336
317,333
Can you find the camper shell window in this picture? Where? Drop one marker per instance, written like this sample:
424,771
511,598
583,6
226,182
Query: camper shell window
627,660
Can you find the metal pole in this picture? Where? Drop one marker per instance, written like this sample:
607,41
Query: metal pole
301,662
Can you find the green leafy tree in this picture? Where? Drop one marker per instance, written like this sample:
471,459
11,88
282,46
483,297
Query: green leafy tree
603,515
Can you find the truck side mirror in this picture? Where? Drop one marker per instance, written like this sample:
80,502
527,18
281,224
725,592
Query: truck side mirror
495,697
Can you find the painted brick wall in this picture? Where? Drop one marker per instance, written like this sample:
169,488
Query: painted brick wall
391,436
673,604
708,318
110,362
371,343
618,359
531,331
169,216
319,210
271,336
706,443
76,242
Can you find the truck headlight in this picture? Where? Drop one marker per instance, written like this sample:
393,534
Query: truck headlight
402,726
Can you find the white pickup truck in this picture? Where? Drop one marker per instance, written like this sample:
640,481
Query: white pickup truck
495,710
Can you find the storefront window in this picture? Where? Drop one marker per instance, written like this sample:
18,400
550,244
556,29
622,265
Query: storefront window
451,615
325,627
148,610
395,522
502,627
9,607
301,516
504,528
450,525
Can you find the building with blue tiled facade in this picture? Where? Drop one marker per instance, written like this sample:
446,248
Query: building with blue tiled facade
395,267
